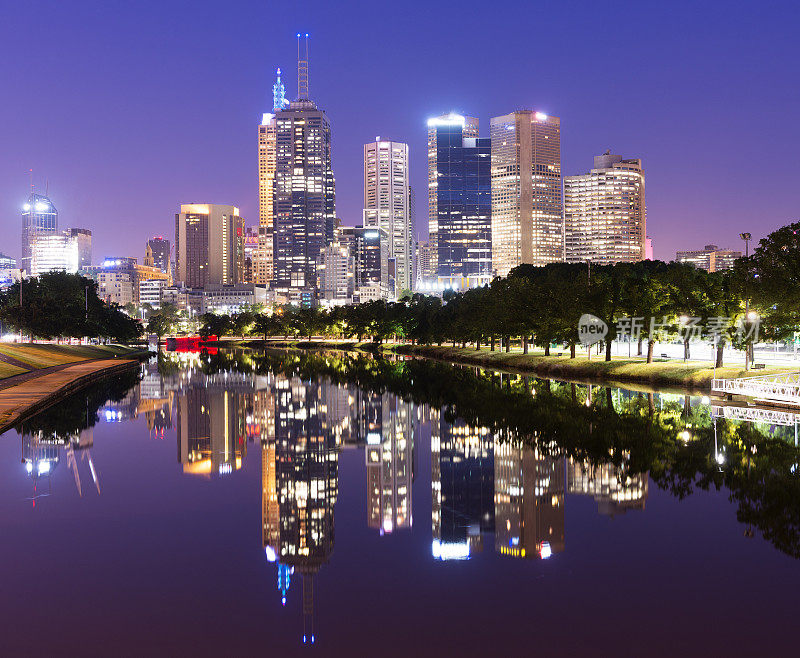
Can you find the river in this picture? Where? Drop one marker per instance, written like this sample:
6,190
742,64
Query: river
269,503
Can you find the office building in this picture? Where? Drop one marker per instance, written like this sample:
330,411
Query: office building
336,270
115,287
387,203
158,254
710,258
604,212
267,131
83,237
56,252
527,223
209,244
369,249
250,254
304,210
39,218
459,188
615,488
150,292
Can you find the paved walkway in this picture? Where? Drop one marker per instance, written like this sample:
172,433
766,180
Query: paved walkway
31,391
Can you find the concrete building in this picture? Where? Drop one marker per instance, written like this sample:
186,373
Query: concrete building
150,292
158,254
209,244
116,287
527,221
387,203
39,218
250,254
304,210
604,212
336,274
459,206
710,258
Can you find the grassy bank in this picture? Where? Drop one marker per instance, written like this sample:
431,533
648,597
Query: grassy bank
17,358
691,375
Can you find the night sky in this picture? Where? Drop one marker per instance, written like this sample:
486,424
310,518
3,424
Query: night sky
128,109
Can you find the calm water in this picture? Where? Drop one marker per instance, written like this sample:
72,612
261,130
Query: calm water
246,504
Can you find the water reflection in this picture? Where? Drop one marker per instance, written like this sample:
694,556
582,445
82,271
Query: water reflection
506,451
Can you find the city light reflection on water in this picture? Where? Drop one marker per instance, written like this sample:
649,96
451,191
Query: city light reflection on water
371,477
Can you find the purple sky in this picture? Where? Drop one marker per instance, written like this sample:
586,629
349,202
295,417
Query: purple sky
130,108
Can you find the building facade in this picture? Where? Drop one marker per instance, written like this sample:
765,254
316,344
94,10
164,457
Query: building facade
710,258
83,237
336,271
304,210
459,184
158,254
39,218
604,212
369,249
55,252
527,222
209,244
387,203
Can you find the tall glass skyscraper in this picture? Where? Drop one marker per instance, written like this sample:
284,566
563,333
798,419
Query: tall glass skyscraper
304,211
460,204
39,218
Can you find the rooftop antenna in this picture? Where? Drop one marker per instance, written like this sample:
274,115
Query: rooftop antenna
302,69
30,173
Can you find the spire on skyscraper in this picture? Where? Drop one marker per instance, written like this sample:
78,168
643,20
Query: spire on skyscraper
302,69
278,94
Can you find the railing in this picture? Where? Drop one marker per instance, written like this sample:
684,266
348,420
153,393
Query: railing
756,415
776,388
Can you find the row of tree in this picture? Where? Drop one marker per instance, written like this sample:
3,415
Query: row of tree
542,306
61,305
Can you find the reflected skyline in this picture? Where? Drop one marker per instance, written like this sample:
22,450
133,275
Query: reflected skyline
495,491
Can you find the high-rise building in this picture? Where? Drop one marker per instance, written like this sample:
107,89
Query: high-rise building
250,254
460,212
387,203
55,252
604,212
267,131
209,244
710,258
336,269
527,222
157,254
304,210
369,249
39,218
83,236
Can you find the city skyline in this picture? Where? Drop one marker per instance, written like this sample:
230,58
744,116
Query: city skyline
699,115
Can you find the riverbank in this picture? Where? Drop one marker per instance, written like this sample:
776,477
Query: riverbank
693,375
45,388
20,358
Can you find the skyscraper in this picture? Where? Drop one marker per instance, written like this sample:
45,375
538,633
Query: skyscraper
54,253
459,189
39,217
604,212
157,254
83,237
209,244
304,193
335,271
262,265
387,203
527,224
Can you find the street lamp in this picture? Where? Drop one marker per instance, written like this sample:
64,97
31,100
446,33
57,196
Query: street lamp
746,237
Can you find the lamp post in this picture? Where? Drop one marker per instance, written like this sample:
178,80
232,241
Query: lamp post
746,237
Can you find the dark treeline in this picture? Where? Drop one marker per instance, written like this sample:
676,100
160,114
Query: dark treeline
61,305
629,431
542,306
